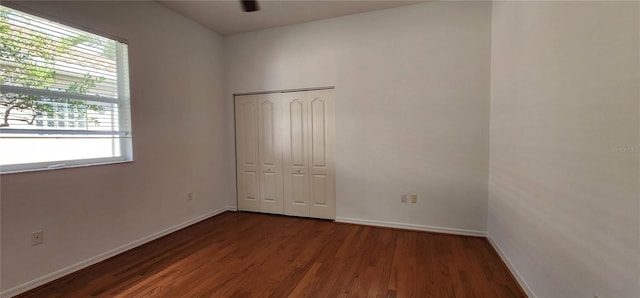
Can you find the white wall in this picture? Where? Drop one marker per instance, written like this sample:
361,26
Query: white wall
412,105
564,203
181,134
412,90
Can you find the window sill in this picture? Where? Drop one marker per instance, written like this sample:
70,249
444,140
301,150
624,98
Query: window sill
72,166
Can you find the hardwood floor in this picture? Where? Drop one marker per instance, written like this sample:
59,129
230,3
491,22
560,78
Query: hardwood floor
259,255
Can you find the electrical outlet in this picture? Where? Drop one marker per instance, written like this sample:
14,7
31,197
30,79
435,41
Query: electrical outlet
37,238
190,196
414,198
403,198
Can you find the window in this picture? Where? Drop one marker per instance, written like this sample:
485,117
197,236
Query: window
64,96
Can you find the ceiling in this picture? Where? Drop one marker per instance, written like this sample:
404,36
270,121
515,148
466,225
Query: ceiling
226,16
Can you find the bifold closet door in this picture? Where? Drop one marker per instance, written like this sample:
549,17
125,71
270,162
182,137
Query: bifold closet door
270,152
285,153
309,169
322,170
247,162
296,153
259,153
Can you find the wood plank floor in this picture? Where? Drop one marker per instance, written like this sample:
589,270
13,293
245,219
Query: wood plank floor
258,255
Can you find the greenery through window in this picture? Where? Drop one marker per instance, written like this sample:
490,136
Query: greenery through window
64,95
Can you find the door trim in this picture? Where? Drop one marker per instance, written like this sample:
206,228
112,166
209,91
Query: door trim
283,91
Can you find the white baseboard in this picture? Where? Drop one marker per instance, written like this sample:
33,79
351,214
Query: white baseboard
101,257
415,227
512,268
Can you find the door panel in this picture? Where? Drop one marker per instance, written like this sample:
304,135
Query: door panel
322,168
250,186
296,154
296,132
319,190
250,133
267,131
269,187
299,189
247,152
270,144
318,132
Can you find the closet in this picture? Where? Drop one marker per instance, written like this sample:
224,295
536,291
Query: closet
285,153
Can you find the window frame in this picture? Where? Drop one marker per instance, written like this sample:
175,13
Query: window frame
122,101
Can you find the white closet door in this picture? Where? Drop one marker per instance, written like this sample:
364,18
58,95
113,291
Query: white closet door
322,188
247,159
309,169
285,153
296,153
270,153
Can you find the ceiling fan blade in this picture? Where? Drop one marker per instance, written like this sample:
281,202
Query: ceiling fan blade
249,5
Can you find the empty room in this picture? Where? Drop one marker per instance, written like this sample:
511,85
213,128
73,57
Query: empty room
320,148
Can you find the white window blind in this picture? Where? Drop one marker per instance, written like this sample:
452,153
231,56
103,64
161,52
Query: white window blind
64,95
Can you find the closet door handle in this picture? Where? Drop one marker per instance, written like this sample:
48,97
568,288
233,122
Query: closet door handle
297,170
268,169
